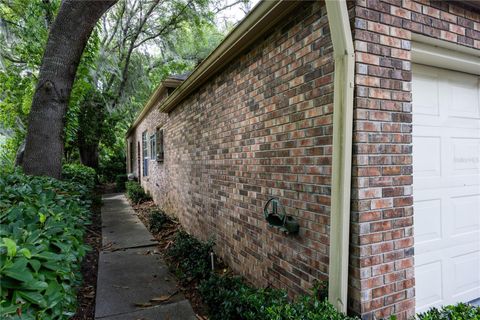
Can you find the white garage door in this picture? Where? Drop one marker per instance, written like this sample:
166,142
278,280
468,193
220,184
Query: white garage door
446,181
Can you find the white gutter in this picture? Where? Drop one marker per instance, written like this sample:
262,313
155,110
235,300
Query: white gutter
339,23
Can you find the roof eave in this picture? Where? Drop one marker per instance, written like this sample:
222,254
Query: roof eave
265,15
153,100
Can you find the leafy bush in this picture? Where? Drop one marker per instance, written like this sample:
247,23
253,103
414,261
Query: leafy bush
111,166
157,220
231,298
136,193
304,308
78,173
222,296
42,226
460,311
192,257
120,180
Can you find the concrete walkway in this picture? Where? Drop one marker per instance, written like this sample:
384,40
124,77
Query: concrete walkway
133,282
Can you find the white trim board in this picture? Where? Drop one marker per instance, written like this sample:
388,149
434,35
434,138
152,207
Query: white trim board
446,55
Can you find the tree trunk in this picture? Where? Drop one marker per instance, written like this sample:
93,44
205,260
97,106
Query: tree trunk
67,39
89,155
90,129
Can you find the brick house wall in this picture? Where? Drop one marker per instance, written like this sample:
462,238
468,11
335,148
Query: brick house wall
382,243
259,128
262,127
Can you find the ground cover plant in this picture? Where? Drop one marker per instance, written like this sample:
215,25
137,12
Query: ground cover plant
460,311
157,220
120,180
78,173
230,297
136,193
42,222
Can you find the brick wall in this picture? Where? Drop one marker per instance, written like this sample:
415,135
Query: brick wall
260,128
382,244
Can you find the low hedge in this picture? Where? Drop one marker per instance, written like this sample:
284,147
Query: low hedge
230,297
42,223
120,180
461,311
136,193
192,257
78,173
157,220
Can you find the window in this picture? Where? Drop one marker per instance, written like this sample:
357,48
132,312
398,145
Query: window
153,146
145,153
160,145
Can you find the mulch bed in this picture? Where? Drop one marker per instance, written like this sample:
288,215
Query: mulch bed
165,238
86,294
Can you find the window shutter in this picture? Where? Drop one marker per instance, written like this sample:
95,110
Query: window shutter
160,145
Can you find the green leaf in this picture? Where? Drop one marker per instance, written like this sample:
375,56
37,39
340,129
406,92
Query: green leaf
35,264
54,294
33,297
19,271
11,247
35,285
21,275
46,255
26,253
8,310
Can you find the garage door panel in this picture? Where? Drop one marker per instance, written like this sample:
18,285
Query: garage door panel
450,219
428,221
464,95
466,282
428,163
466,155
426,276
466,212
427,99
446,186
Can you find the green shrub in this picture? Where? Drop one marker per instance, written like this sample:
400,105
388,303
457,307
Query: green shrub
192,257
78,173
157,220
135,192
306,307
461,311
111,165
222,295
231,298
41,245
120,180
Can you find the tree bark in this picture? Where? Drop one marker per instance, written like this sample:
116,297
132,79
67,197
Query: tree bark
90,129
89,155
66,41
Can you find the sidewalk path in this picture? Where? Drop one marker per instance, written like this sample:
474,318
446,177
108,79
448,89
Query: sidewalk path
130,274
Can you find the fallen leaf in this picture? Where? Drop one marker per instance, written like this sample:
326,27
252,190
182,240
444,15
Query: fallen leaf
143,304
160,299
120,287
